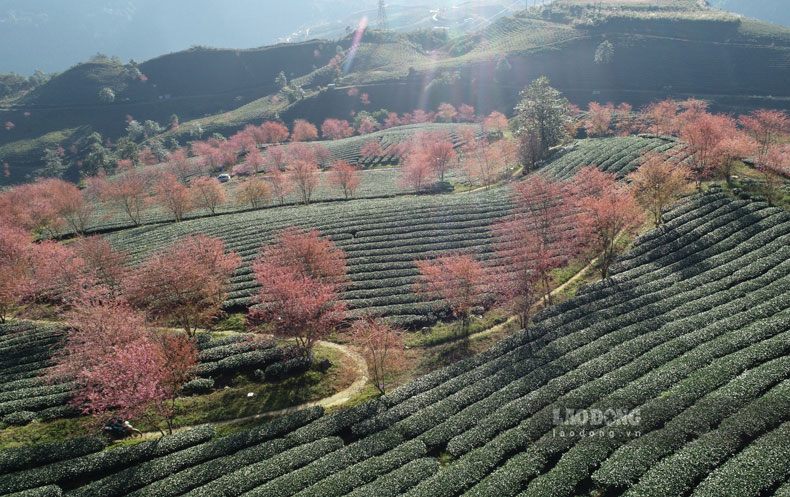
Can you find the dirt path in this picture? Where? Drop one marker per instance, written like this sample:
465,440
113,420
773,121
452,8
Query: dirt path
337,399
360,367
553,292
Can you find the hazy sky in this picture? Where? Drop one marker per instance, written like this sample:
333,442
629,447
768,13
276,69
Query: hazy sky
776,11
53,35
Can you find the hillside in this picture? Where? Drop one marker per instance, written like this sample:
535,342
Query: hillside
382,238
55,36
28,351
171,84
664,49
675,50
380,178
182,74
680,360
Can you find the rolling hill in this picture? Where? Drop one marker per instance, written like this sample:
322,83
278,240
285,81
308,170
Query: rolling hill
382,238
676,368
671,48
668,377
28,350
56,36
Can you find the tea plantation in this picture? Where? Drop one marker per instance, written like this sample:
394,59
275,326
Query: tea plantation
349,149
376,181
683,353
618,155
382,237
27,351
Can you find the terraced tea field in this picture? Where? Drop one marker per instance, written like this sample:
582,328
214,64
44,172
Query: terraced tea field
348,149
684,352
27,349
381,239
26,352
376,183
619,155
385,60
513,35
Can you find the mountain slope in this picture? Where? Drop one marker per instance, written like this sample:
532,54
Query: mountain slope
52,36
382,238
661,49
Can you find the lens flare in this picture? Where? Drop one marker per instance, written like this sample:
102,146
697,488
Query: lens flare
428,76
363,23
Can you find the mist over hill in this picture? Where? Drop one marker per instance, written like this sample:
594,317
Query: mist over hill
52,35
775,11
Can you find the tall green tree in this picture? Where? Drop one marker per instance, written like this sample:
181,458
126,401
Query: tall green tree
53,164
125,148
604,53
106,95
281,80
97,159
542,117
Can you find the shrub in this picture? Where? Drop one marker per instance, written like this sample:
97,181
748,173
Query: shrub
344,481
283,369
238,363
323,365
227,454
198,386
19,418
276,465
47,491
399,481
34,456
99,464
757,469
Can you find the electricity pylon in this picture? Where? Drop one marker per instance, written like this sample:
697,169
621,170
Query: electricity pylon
382,15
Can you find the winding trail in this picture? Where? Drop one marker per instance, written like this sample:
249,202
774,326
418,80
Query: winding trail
334,400
337,399
360,367
557,290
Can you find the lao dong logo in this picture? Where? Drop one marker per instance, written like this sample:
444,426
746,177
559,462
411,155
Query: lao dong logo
602,423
